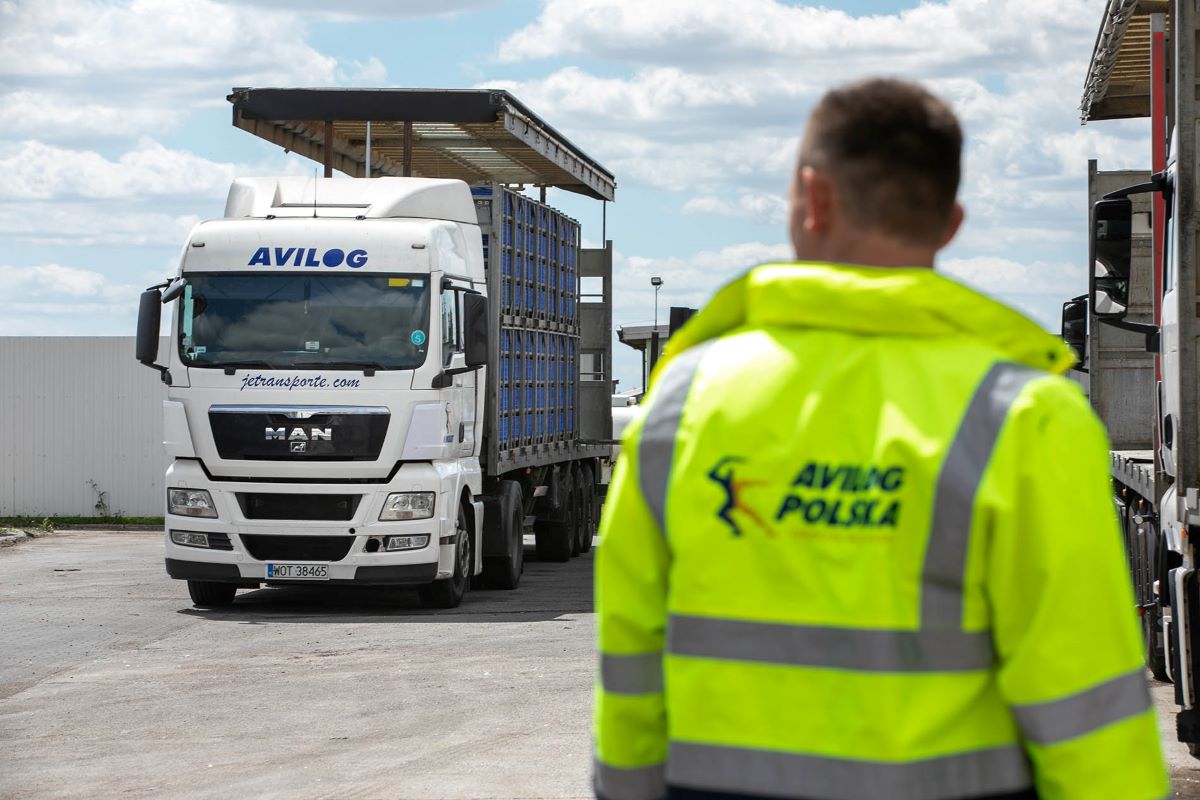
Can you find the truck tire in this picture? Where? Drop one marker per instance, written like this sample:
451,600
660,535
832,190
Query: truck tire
1156,651
556,533
1156,658
209,594
589,508
449,592
504,572
577,508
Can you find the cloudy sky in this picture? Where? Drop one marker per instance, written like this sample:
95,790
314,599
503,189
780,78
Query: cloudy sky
115,134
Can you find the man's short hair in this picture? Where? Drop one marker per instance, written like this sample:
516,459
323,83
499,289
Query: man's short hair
894,152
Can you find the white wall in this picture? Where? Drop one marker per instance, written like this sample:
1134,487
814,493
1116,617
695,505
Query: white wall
75,409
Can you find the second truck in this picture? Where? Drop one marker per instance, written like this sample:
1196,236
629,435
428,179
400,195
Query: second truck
1137,329
384,379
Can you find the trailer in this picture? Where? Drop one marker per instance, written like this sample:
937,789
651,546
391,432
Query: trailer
386,379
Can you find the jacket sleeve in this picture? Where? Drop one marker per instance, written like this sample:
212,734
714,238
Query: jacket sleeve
1064,618
630,724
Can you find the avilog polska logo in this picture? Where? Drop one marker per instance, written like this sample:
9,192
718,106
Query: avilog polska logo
306,257
822,495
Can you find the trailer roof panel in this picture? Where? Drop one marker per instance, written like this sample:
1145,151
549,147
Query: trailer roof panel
1118,76
472,135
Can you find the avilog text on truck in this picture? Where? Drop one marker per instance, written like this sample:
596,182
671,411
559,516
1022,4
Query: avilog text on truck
377,381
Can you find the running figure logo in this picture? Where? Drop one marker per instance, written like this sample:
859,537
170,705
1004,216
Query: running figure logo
723,475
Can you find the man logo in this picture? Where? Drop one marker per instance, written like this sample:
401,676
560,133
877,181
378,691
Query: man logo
723,475
299,438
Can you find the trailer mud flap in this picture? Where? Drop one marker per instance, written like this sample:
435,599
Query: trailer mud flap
1183,646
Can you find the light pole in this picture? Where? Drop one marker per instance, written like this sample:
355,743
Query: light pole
656,282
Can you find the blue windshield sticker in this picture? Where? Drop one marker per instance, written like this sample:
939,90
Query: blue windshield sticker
418,338
312,345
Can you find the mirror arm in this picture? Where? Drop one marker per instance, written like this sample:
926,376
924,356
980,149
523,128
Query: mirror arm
163,372
1145,328
1157,183
442,379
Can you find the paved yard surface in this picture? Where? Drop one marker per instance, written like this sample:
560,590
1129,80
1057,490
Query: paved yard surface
112,685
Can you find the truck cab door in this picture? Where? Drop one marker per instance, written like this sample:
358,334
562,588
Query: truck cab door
461,396
1169,363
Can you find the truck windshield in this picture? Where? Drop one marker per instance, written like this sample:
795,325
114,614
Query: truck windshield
305,321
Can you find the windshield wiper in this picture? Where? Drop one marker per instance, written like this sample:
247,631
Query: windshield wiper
368,367
233,366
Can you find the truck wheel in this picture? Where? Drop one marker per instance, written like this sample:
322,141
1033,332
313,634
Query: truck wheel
577,512
448,593
208,594
1156,650
505,572
589,509
1156,659
556,535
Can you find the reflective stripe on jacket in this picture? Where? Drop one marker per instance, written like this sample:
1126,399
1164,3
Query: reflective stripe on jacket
862,544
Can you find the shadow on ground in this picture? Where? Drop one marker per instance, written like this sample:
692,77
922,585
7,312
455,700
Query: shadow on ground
548,591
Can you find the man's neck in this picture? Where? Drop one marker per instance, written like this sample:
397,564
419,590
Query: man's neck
869,250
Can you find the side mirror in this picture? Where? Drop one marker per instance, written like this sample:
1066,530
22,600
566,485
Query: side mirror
173,290
148,324
475,329
1074,327
1111,251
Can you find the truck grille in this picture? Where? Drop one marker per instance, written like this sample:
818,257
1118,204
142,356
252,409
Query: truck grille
299,433
328,507
268,547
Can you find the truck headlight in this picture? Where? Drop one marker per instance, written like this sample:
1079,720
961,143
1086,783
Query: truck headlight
407,505
190,503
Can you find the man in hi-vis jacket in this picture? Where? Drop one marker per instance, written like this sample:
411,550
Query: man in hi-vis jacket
861,544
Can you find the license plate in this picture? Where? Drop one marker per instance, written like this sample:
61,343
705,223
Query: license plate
298,572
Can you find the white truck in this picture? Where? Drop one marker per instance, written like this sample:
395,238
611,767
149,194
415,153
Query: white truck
384,380
1138,327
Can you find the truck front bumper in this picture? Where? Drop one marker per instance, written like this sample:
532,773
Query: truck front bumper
246,546
377,575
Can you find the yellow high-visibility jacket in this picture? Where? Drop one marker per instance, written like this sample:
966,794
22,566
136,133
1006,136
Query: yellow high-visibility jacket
862,544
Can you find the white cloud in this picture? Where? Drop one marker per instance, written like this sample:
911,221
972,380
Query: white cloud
708,33
154,38
687,280
78,70
37,171
1008,278
52,116
347,10
371,72
84,224
713,95
51,299
770,208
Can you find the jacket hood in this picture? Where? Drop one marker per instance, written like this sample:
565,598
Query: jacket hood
877,301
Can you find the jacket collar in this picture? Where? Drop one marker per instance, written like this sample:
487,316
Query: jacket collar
915,302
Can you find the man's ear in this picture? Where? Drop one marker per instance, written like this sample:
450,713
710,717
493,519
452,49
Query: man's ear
820,200
956,221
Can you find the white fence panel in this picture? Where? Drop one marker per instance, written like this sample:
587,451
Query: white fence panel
79,416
